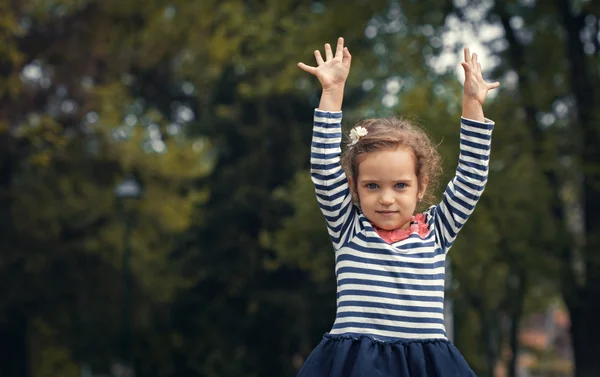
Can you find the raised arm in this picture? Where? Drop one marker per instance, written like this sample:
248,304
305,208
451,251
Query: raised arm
331,185
464,190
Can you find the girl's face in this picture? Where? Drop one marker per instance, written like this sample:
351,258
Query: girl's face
387,187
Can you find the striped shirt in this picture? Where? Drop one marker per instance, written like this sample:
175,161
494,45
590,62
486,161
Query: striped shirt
393,291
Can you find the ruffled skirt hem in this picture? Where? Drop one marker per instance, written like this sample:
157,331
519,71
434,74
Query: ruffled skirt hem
364,356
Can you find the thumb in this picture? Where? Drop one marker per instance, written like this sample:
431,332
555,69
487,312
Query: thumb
494,85
466,67
347,58
307,68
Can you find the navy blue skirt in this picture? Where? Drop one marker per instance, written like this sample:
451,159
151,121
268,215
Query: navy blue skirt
345,356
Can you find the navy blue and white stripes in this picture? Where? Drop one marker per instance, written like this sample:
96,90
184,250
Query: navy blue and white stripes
393,291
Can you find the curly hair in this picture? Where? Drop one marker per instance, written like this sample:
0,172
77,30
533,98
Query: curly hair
392,133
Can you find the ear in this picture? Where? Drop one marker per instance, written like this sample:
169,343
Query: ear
422,188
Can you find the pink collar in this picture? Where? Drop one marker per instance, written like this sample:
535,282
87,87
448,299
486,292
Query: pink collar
417,225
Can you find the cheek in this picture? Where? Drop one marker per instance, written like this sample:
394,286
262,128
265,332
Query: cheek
409,198
361,195
366,197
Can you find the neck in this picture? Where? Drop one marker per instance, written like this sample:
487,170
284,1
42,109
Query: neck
405,226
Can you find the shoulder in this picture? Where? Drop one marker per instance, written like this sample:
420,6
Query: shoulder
427,215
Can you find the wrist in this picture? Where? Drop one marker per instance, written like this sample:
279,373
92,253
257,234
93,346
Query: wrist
472,109
472,100
334,89
332,98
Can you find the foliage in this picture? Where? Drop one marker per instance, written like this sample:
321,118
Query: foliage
202,102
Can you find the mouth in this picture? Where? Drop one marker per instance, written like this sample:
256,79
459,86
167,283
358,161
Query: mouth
386,213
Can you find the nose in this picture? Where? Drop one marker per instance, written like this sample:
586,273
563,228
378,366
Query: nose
386,198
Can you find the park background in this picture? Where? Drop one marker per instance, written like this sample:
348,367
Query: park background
156,212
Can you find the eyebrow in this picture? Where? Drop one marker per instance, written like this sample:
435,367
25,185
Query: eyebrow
403,179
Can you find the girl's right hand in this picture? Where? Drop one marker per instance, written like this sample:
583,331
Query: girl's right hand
332,72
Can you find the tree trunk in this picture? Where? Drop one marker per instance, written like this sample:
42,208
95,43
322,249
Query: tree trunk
584,307
585,332
14,355
515,324
14,350
488,335
514,345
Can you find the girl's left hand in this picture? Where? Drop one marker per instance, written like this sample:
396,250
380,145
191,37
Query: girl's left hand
475,86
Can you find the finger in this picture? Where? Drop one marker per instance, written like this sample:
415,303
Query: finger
307,68
318,57
340,48
328,52
467,54
474,60
347,58
493,85
479,67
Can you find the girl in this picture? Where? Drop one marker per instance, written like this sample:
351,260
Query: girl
389,261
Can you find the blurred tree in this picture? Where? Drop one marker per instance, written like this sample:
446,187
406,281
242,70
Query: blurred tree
550,70
70,131
93,91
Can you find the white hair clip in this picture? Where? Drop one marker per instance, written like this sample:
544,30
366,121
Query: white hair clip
356,134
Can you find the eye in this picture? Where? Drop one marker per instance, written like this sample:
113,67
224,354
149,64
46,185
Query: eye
372,186
400,185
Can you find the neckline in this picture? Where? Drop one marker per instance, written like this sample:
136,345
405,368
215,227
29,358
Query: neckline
418,226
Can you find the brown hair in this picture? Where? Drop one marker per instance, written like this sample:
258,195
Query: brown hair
392,133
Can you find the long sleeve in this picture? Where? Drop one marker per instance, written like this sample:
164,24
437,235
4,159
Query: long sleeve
331,184
464,190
